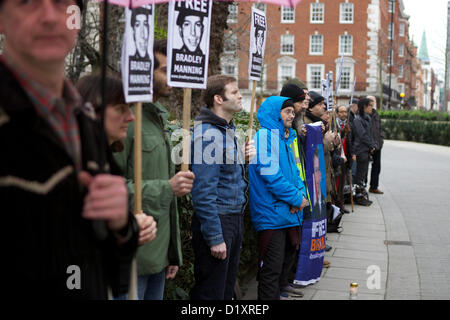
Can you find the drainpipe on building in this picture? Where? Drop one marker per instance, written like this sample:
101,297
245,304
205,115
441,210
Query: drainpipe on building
390,51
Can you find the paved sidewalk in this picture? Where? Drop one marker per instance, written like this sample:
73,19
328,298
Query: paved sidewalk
360,245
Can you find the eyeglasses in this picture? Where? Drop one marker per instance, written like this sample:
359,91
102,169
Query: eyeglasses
288,112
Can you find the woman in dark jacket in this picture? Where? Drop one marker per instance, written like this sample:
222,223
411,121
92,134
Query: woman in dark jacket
363,145
117,117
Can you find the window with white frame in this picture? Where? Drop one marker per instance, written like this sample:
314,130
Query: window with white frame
391,57
391,31
401,50
287,15
402,30
229,66
316,44
261,84
261,6
287,44
232,13
346,78
400,71
317,12
345,45
401,88
314,76
346,13
391,8
230,43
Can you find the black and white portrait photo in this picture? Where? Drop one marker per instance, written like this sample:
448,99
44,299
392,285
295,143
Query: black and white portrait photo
188,45
257,43
137,54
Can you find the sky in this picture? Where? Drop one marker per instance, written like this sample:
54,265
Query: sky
431,16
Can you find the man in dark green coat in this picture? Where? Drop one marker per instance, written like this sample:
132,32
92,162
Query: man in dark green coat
161,258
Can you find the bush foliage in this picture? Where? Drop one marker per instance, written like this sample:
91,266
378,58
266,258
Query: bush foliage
415,115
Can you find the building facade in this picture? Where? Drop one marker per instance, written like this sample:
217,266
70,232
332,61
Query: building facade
308,41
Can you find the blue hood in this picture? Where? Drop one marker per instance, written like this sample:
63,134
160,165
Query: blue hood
269,116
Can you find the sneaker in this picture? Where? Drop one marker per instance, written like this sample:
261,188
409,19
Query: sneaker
292,291
328,248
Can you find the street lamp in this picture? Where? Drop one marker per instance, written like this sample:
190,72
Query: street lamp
391,53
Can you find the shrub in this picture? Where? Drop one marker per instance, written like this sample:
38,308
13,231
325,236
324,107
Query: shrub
418,130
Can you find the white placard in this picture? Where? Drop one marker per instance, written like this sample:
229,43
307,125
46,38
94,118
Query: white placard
258,33
137,54
188,43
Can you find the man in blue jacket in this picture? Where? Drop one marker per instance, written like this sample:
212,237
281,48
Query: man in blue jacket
277,196
219,191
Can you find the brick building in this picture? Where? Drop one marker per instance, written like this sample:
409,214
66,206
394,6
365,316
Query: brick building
307,42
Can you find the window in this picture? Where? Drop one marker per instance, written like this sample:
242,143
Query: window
391,8
228,69
401,50
317,12
391,31
345,45
346,13
402,30
316,44
391,57
229,66
287,15
287,44
232,13
346,78
260,6
400,71
287,67
315,74
230,43
287,72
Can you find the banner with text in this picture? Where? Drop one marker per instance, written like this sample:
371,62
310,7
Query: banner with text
312,246
258,32
137,54
188,43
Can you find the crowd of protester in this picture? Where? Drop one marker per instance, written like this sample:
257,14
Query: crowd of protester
72,186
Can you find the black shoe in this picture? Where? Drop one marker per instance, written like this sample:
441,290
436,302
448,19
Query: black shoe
363,202
328,248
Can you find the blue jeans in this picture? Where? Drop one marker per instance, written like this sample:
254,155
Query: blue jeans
151,286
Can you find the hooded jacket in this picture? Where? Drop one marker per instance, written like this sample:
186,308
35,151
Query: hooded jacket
275,184
218,165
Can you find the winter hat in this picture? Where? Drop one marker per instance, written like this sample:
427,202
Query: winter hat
293,91
287,103
354,101
315,99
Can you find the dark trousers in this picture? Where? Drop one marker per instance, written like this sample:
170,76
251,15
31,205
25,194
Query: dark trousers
277,263
376,168
362,166
215,278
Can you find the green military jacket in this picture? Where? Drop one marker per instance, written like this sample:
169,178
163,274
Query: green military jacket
158,199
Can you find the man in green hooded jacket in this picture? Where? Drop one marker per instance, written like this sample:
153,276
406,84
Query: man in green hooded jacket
161,258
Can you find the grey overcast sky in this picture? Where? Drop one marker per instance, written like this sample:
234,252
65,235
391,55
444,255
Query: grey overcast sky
429,16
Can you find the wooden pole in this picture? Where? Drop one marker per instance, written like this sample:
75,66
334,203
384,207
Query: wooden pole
186,128
132,292
252,105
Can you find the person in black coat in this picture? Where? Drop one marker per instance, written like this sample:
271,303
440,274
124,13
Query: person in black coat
67,231
363,145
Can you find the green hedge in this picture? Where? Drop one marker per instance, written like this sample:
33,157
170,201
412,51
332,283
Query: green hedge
415,115
180,287
418,131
